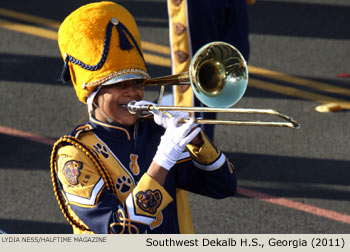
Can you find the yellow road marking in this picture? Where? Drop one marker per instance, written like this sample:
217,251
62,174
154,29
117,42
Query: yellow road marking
156,48
306,95
52,35
29,29
298,81
30,18
157,60
54,24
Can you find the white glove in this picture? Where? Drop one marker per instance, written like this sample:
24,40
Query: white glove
160,118
174,141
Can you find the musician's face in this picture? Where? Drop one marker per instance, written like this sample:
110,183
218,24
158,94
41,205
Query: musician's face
111,99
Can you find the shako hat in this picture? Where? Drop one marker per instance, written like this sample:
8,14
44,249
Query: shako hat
100,45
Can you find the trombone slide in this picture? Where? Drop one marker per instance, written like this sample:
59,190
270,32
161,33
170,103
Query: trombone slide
290,122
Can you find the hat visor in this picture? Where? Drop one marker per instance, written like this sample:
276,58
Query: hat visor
126,77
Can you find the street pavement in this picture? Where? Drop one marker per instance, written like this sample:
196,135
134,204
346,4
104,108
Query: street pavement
290,181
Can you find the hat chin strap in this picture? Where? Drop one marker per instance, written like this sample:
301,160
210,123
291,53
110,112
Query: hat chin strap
108,119
92,106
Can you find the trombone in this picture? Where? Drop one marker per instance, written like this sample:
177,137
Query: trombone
218,75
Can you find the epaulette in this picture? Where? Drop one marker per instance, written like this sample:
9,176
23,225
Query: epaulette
80,129
72,139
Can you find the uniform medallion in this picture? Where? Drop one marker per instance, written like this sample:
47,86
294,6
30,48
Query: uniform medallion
149,201
71,171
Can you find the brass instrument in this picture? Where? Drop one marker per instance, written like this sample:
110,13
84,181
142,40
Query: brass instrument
218,75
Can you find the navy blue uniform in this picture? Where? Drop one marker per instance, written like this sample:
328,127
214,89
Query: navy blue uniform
139,204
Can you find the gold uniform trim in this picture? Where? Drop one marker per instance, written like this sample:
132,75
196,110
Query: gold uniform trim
206,154
180,42
147,183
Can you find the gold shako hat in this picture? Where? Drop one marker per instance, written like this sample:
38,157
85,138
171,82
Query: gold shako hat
100,45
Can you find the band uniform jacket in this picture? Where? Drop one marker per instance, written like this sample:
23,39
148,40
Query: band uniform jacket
101,170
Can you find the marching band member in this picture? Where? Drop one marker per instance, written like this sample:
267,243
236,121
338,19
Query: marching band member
118,173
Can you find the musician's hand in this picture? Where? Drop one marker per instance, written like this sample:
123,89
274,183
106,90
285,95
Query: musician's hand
161,118
197,141
174,141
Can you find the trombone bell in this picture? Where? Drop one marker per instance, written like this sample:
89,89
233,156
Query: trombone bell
218,75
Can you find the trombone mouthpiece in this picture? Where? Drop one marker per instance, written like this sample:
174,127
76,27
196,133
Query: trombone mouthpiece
131,107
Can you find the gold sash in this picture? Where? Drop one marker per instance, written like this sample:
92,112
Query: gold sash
183,96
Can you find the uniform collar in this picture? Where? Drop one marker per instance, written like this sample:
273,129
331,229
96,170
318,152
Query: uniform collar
111,130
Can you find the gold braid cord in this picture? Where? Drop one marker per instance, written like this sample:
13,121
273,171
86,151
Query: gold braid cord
126,223
70,140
